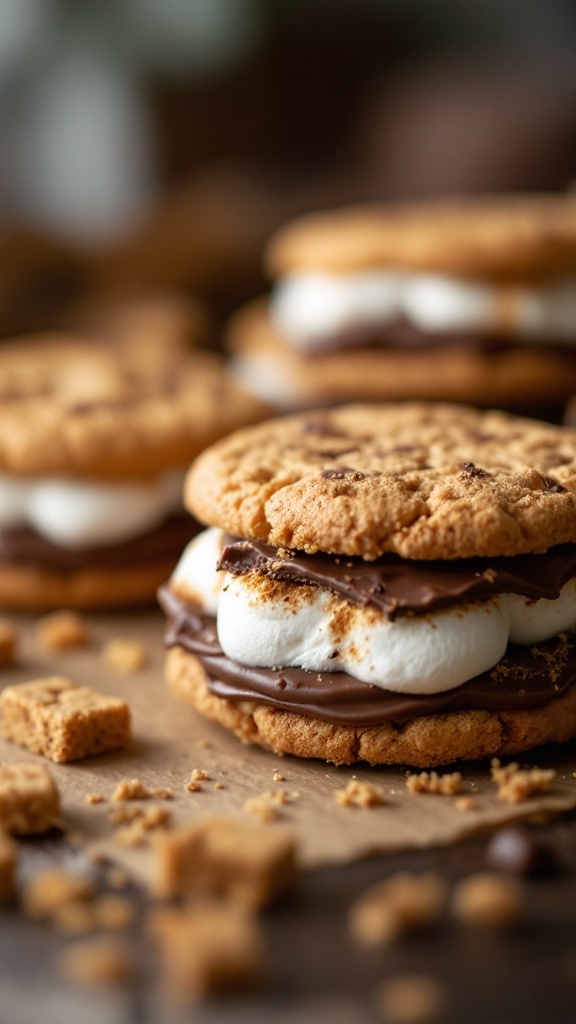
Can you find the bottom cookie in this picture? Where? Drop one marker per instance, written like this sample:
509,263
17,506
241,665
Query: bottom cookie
29,588
421,742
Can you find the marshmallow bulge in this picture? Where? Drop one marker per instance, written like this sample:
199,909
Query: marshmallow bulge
307,627
311,308
80,514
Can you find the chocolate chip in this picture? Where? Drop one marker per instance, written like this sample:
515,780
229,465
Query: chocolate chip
553,486
472,472
514,851
341,473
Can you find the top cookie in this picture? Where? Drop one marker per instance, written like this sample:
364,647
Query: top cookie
520,237
76,408
426,481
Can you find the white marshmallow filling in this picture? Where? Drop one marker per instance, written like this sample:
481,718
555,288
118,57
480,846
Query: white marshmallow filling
309,309
271,624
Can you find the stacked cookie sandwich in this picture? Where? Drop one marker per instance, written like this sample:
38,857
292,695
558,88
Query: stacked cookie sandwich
470,300
395,584
94,441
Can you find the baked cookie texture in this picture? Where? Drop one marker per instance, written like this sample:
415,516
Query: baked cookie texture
79,409
517,377
508,237
421,742
424,481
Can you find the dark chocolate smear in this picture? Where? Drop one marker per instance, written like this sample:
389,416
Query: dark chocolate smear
24,546
526,677
398,586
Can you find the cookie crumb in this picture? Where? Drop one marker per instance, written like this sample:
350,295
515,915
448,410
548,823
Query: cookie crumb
125,655
50,890
114,913
123,814
278,777
431,782
218,785
402,903
359,794
261,807
192,787
199,775
61,631
94,798
465,803
131,789
8,642
410,999
162,793
8,863
246,863
148,820
207,949
99,962
516,784
63,721
29,799
494,901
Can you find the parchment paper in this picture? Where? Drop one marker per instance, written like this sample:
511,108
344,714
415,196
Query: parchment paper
170,740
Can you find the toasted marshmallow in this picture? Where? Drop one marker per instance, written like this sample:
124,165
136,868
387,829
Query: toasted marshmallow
81,515
310,308
272,624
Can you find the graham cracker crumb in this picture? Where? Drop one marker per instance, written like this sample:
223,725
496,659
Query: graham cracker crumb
218,785
8,862
199,775
278,777
359,794
244,862
94,798
8,642
131,789
192,787
516,784
63,721
431,782
261,807
50,890
135,834
496,901
122,815
100,962
29,799
466,803
125,655
207,949
162,793
401,904
410,999
62,631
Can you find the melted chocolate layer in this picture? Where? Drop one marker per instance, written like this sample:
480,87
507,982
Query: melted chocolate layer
526,677
24,546
398,586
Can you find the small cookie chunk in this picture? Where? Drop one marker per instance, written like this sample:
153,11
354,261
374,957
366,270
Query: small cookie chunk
8,861
125,655
62,721
516,784
403,903
131,789
424,481
359,794
29,799
493,901
431,782
208,948
100,963
61,631
247,863
51,890
8,642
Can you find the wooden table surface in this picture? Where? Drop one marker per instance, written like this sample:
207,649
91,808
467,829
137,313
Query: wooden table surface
315,973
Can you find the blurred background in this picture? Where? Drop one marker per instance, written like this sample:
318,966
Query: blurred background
153,145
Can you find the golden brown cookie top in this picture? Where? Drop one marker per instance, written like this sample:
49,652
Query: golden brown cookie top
76,408
514,237
426,481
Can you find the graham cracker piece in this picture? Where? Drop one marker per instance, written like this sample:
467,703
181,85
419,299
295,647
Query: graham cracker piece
8,861
401,904
247,863
125,655
410,999
99,962
62,631
207,948
51,890
63,721
29,799
432,782
494,901
8,642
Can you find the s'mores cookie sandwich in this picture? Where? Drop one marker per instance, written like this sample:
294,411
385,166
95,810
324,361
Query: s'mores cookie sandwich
94,441
391,584
470,300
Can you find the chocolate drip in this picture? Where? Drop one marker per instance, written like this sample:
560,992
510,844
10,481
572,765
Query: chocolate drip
24,546
397,586
526,677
